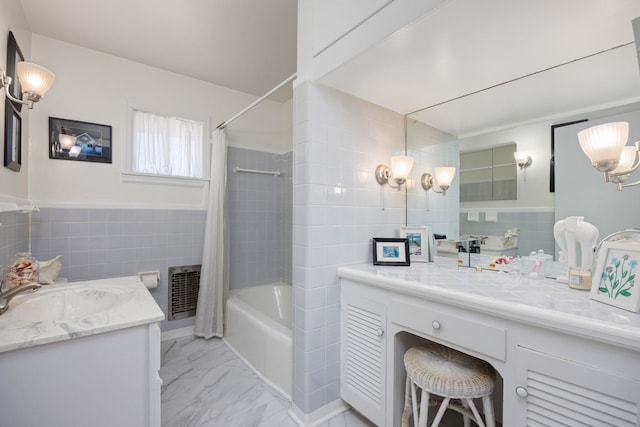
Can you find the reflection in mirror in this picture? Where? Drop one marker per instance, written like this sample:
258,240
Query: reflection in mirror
488,174
600,88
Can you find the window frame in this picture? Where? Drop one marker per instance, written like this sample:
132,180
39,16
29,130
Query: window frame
131,176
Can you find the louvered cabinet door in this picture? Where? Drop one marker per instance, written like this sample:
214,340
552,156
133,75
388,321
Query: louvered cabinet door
363,357
557,392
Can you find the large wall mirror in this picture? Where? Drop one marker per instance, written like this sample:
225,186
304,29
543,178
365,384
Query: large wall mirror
520,115
472,76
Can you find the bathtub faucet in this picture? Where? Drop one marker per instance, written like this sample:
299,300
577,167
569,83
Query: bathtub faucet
7,296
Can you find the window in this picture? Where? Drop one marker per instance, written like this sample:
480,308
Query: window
489,174
167,146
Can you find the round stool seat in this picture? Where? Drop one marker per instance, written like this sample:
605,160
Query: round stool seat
447,372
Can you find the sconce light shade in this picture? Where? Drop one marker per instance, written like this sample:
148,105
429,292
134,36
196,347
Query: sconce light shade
401,167
399,171
522,158
444,176
35,80
66,141
627,158
603,144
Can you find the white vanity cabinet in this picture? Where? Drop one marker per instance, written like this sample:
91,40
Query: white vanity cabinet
555,391
81,354
102,380
576,362
363,356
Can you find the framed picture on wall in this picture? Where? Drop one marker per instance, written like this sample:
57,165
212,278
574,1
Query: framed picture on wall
14,55
418,239
390,251
614,279
79,141
12,136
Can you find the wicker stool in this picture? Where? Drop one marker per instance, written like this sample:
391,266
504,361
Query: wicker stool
445,372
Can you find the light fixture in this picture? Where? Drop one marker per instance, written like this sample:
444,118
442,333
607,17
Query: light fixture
444,177
605,145
66,141
399,171
523,159
34,79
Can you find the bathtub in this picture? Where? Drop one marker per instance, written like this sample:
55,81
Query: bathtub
258,329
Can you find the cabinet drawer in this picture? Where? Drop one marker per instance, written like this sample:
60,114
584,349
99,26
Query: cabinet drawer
464,331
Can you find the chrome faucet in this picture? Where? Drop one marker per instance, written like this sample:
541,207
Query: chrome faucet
8,295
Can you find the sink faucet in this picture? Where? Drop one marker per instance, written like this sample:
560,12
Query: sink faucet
7,296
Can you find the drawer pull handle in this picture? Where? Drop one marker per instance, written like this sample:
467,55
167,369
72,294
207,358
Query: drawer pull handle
522,392
435,325
380,332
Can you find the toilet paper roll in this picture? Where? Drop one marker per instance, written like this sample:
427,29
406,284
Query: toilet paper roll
150,278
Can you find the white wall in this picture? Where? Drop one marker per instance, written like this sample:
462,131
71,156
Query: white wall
533,194
94,87
267,127
13,185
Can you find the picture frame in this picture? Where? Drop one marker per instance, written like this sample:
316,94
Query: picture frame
391,251
614,279
12,137
419,239
14,55
79,141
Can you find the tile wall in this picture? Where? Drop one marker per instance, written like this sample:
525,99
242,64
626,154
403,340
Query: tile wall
14,237
431,148
260,210
99,243
536,229
337,208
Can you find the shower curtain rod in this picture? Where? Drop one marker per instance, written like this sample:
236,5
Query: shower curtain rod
256,102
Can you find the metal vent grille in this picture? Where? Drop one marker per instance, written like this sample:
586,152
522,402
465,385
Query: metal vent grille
184,283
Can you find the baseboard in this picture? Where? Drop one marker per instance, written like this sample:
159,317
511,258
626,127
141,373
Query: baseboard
173,334
319,416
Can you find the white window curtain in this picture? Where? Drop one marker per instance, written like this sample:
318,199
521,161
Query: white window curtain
167,145
214,274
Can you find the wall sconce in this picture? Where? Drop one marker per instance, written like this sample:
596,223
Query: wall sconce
605,145
399,171
444,177
523,159
34,80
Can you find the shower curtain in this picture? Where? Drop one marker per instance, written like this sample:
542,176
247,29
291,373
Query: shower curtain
214,274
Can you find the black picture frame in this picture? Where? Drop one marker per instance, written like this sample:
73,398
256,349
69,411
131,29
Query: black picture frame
391,251
12,137
92,144
552,162
14,55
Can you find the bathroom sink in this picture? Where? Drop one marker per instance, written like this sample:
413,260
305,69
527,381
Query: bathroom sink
68,303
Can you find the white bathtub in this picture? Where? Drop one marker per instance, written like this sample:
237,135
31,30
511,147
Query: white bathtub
258,329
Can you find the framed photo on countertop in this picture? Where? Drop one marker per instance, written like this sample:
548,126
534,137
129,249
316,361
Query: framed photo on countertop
614,279
418,238
390,251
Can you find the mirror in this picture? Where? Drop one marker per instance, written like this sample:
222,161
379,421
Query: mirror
598,88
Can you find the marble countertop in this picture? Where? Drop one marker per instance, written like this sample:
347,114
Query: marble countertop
544,302
62,311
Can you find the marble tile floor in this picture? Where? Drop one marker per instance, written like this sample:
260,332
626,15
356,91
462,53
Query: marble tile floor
206,385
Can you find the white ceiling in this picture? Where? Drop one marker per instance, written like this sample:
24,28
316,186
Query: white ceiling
247,45
467,46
